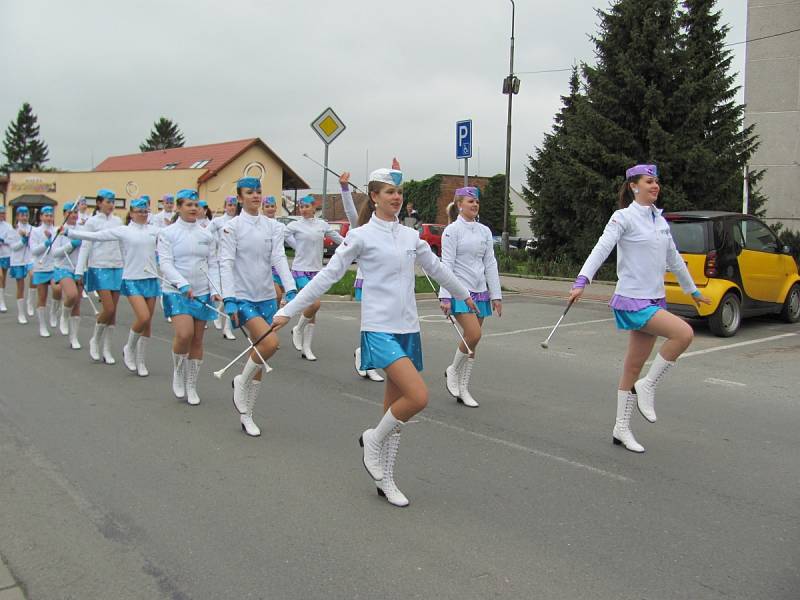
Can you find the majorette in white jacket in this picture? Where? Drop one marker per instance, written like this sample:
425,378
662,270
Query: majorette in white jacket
387,253
63,248
100,255
42,259
249,247
138,243
6,234
186,253
307,236
20,249
162,219
468,251
645,251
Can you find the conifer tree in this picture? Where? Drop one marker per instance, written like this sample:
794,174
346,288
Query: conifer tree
23,149
165,135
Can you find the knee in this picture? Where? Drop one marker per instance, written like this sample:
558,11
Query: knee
420,399
685,335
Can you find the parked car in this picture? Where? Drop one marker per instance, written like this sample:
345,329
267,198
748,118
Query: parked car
530,246
329,246
738,262
432,233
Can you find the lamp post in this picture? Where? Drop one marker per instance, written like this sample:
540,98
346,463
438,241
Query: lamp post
510,87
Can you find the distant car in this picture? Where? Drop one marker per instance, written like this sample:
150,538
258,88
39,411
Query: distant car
432,233
530,246
329,246
738,262
288,219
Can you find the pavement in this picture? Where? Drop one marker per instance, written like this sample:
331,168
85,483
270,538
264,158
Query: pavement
110,488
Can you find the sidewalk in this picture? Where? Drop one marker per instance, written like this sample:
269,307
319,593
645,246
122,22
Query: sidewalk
9,588
555,288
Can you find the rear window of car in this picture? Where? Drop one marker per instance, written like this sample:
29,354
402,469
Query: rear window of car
337,227
689,236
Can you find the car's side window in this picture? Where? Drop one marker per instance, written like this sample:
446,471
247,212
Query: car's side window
738,235
758,237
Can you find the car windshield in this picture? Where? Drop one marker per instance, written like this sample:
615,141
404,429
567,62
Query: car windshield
689,236
337,227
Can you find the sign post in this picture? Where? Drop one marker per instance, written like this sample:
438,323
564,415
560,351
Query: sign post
327,126
464,145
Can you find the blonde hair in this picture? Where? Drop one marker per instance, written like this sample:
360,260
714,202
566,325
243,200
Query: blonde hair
366,210
452,210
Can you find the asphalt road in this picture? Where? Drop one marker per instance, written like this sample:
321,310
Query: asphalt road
110,488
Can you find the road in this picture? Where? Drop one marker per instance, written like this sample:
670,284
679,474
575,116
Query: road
113,489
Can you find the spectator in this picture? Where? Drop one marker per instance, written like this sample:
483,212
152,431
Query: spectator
412,216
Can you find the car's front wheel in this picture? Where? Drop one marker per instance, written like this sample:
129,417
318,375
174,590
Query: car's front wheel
726,319
791,306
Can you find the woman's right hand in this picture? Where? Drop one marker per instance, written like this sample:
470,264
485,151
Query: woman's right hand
575,294
278,322
445,306
344,179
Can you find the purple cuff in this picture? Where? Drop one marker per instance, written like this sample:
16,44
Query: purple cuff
309,274
359,284
580,282
634,304
345,187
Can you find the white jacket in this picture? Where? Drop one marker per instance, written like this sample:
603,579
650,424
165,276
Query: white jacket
468,251
645,250
20,251
162,219
138,244
42,258
249,247
306,236
217,223
100,255
387,253
186,254
63,248
6,234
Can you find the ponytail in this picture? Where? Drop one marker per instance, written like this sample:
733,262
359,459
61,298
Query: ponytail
366,210
625,193
452,212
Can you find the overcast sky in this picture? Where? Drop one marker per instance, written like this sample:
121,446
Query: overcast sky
98,73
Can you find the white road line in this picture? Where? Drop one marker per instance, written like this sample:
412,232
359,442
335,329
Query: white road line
736,345
506,443
724,382
545,328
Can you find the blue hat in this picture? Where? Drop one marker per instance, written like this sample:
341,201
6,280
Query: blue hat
231,200
469,192
269,200
47,210
309,199
168,198
202,204
107,194
186,195
145,197
22,209
139,203
249,182
69,207
82,200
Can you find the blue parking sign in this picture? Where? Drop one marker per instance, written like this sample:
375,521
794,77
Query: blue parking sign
464,139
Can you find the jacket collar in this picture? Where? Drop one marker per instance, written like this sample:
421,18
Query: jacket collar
384,225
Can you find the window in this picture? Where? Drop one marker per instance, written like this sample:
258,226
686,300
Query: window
689,236
169,166
199,164
758,237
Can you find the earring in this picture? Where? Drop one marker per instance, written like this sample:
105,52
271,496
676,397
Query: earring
635,190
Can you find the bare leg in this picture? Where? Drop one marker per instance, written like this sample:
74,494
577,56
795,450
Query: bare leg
267,347
196,348
406,393
183,326
471,327
640,345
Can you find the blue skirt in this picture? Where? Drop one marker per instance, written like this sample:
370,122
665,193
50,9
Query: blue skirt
379,350
60,274
634,320
18,271
277,280
97,279
265,309
357,294
147,288
40,277
459,307
5,262
178,304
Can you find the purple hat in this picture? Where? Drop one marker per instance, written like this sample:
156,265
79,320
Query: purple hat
231,200
470,192
650,170
268,200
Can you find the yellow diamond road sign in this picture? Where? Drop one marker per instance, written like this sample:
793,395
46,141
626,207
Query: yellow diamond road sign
328,125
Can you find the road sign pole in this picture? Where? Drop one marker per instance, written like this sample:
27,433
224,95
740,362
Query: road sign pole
325,183
466,172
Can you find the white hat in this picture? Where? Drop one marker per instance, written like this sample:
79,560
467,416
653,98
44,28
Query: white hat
389,176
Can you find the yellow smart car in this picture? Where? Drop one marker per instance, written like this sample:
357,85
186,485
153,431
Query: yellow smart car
738,262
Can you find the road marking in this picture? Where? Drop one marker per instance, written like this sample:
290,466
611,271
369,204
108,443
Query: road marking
545,328
506,443
736,345
724,382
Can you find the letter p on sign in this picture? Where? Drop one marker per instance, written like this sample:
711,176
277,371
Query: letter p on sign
464,139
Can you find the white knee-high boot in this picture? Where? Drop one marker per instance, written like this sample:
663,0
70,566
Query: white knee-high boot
192,371
227,329
622,433
21,318
141,366
463,384
74,324
55,308
646,387
372,440
179,374
31,301
129,350
297,332
452,373
3,307
63,322
308,336
387,486
241,385
108,338
248,425
96,340
41,314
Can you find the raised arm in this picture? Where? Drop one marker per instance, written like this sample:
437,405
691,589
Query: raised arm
347,200
104,235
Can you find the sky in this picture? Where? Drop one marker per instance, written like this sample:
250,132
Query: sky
99,73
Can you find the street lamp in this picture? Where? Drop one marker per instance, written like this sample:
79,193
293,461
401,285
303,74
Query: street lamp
510,88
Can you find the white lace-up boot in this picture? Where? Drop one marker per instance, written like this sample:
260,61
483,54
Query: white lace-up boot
3,307
96,340
308,336
357,362
21,318
63,322
297,333
373,375
646,387
179,374
622,427
74,324
55,308
108,338
241,385
386,486
141,366
41,314
31,301
129,350
463,384
227,330
248,425
372,441
192,371
452,373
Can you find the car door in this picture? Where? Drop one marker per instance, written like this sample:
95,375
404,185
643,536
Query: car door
760,260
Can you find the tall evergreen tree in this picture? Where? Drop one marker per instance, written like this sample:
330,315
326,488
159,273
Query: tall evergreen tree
492,206
165,135
22,147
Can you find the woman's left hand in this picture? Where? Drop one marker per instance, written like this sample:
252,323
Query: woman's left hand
471,303
216,298
497,305
701,299
278,322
